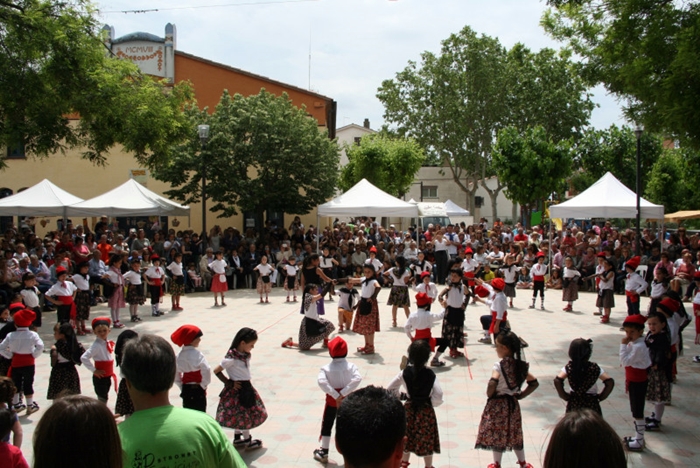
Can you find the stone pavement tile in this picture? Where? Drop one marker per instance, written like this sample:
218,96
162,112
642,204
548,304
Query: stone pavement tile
286,378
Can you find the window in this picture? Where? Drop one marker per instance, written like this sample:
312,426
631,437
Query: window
357,140
16,151
429,191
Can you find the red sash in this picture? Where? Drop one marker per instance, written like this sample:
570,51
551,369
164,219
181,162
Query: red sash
192,377
696,309
22,360
632,296
493,320
330,401
68,300
470,277
634,374
108,368
538,278
424,334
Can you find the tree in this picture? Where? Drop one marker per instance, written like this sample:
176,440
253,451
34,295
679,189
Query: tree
531,164
263,154
673,180
389,163
644,51
53,64
455,103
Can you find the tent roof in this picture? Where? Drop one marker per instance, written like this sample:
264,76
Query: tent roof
129,199
454,209
607,198
364,199
42,199
681,215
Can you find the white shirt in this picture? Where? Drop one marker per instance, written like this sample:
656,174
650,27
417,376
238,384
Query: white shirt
658,289
115,276
339,373
155,272
97,352
191,359
326,262
635,283
175,268
696,298
510,273
62,289
422,319
82,282
368,288
344,299
399,281
410,254
455,296
378,266
291,269
453,238
312,311
502,386
440,246
497,300
594,389
418,269
430,289
218,266
674,327
30,297
538,269
264,270
571,273
22,341
635,354
236,369
609,284
435,394
469,265
132,277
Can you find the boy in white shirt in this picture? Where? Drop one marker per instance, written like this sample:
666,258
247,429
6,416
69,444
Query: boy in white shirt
102,353
634,357
193,372
23,346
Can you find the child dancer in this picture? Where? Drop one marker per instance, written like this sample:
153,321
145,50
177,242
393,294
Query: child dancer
367,317
659,286
419,267
7,393
313,329
134,292
62,295
634,356
194,276
606,284
470,267
263,285
493,323
570,284
456,299
424,394
328,264
154,278
675,317
177,286
124,406
65,354
240,406
290,281
426,286
10,455
421,321
347,303
398,297
219,285
583,375
82,297
538,271
30,296
501,426
634,285
193,372
101,352
116,300
337,379
658,341
23,346
510,278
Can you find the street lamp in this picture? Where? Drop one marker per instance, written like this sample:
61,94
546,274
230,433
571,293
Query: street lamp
638,132
203,131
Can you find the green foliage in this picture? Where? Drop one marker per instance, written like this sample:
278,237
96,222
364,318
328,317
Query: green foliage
674,179
530,163
644,51
53,64
263,154
614,150
389,163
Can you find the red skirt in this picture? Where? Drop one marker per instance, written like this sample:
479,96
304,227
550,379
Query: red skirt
217,285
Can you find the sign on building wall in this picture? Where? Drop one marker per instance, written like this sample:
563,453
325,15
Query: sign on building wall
139,175
149,56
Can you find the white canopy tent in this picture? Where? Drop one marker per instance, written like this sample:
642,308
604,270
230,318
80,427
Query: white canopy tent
129,199
607,198
364,199
42,199
454,209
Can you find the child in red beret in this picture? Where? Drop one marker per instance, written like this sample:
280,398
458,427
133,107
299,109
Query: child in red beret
193,371
634,357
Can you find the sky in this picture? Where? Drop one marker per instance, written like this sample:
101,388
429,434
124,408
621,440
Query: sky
353,45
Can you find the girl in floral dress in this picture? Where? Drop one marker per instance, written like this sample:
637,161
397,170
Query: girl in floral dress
658,340
501,426
240,406
367,316
313,328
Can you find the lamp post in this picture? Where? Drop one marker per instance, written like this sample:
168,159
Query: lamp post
203,131
638,132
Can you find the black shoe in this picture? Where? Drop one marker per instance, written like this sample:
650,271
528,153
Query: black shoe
321,455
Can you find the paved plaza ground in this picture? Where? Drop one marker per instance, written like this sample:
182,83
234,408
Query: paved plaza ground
286,378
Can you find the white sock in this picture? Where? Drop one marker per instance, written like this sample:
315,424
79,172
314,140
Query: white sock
639,427
30,400
520,454
325,442
497,457
115,315
570,303
659,411
15,399
246,433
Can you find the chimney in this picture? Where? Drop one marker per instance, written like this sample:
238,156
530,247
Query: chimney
366,124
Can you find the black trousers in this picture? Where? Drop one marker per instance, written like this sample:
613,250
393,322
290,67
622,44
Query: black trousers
632,307
538,286
441,344
155,294
63,313
637,392
102,386
329,414
23,378
194,397
441,258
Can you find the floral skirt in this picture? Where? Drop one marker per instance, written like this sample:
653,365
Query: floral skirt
509,290
177,286
398,296
585,401
82,305
217,285
306,341
421,429
367,324
116,300
454,334
658,387
134,294
570,293
124,405
64,380
263,287
501,426
606,300
291,283
231,413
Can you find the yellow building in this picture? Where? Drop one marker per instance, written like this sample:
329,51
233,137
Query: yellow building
158,57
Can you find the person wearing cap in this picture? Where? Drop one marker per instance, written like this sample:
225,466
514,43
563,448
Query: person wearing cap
634,285
634,357
605,271
376,263
81,279
22,347
538,271
456,298
420,266
155,277
193,371
424,285
101,352
510,277
421,322
493,324
470,267
62,295
337,379
672,307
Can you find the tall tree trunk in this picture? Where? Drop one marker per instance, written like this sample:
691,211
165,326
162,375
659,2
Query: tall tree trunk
493,195
514,213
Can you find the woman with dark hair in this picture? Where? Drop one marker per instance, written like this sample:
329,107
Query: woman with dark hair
72,419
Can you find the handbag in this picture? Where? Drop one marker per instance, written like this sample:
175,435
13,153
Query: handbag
364,307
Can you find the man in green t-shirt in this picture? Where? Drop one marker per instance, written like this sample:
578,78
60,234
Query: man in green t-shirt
159,434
